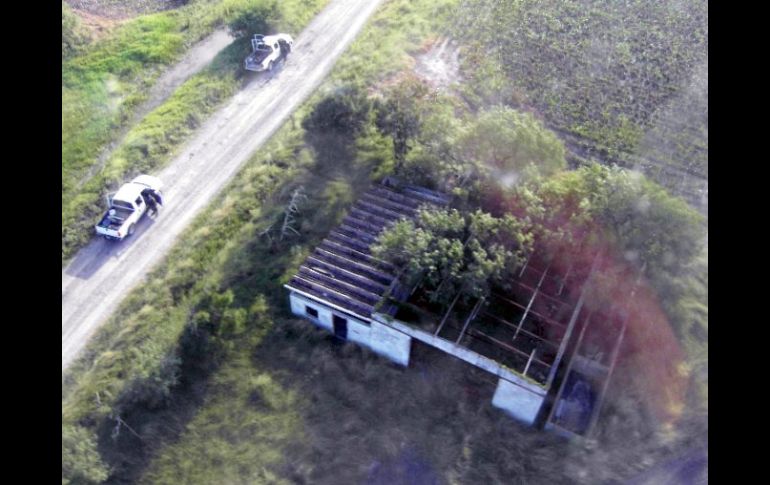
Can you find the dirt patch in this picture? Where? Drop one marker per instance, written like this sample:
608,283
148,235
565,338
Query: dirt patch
123,9
97,26
439,65
436,63
199,56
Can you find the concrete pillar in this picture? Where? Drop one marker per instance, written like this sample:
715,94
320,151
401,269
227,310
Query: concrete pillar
517,401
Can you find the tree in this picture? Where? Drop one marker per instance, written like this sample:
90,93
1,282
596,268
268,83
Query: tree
399,115
251,17
506,142
454,252
636,214
343,113
335,122
488,154
80,460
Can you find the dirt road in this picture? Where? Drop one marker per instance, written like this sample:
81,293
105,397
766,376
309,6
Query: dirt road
199,56
103,273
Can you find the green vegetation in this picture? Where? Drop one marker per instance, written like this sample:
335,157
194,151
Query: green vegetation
455,252
401,114
252,17
469,153
73,35
80,461
602,73
507,141
206,366
138,352
642,219
245,436
149,144
103,86
385,49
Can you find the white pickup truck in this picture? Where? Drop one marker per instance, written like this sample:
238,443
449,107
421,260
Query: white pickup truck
128,205
268,50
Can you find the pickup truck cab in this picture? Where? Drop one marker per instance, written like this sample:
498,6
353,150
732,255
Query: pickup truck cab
267,50
127,206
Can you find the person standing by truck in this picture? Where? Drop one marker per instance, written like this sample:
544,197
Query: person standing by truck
156,195
151,201
128,205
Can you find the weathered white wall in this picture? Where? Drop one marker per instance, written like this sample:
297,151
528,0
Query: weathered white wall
521,403
298,303
462,353
393,339
379,338
390,343
358,331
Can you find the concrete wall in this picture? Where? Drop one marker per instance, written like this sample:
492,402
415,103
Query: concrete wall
518,396
358,331
519,402
298,304
390,343
379,338
393,340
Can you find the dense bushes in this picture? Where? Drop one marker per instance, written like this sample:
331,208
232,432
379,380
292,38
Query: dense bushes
455,253
401,113
253,17
506,142
643,221
80,461
334,124
73,34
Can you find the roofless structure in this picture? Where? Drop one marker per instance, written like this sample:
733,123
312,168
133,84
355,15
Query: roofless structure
552,360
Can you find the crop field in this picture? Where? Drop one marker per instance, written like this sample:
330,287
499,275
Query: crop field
620,81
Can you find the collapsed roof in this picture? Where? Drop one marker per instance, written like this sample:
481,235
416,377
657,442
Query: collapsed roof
342,270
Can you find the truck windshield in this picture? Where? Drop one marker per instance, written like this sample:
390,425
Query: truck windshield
120,204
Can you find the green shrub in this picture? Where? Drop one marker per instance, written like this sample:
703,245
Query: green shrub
80,460
249,17
73,35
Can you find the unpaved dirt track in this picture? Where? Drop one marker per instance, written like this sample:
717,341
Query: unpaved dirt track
199,56
103,273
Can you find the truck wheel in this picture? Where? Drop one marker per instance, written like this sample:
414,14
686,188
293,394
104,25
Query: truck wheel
131,229
270,66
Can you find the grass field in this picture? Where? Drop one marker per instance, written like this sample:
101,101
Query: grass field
205,364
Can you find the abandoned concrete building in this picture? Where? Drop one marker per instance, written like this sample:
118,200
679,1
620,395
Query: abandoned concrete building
551,364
